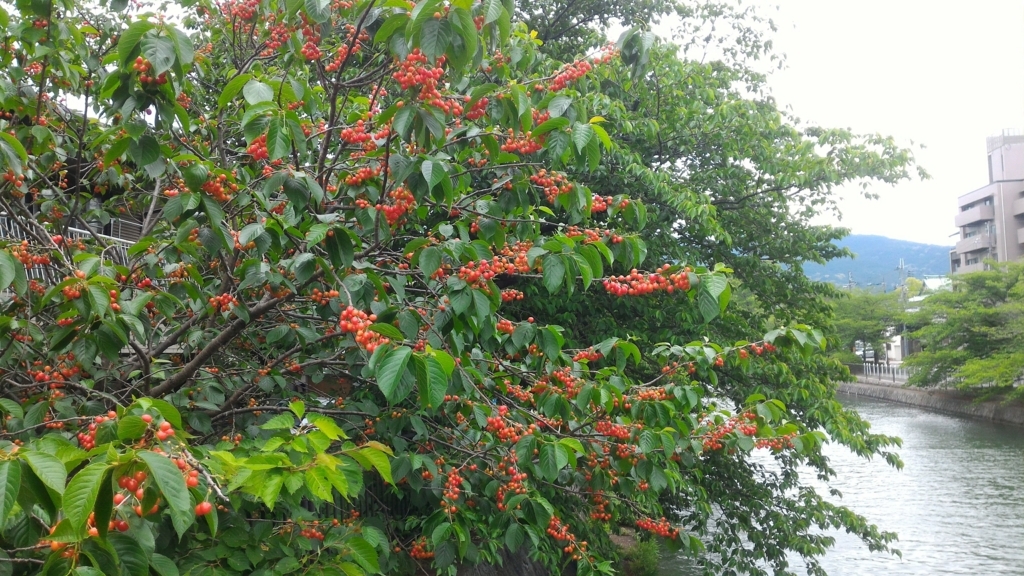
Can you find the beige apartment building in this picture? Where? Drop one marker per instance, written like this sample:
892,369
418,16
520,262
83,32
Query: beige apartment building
991,218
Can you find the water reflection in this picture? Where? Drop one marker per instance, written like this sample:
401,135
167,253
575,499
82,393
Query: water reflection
957,504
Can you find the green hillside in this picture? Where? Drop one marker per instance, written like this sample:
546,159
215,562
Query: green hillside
877,259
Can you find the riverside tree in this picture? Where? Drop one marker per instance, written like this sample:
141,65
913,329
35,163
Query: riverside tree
970,335
320,354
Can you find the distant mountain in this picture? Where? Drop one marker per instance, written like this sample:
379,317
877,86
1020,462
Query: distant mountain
877,260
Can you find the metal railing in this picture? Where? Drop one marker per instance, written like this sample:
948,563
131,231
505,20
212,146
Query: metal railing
116,251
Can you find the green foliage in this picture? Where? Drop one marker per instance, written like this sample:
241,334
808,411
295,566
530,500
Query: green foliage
971,335
866,317
640,559
385,312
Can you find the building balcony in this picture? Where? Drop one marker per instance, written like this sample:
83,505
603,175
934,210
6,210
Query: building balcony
987,191
975,243
1018,207
1020,236
977,214
979,267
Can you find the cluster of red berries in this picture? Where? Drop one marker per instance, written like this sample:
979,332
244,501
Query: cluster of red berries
777,443
312,531
402,202
743,423
240,9
639,284
553,184
220,188
419,550
588,355
415,71
279,36
600,510
87,440
511,295
354,321
18,180
608,428
659,527
224,302
357,134
561,381
22,253
133,486
258,148
506,326
560,532
568,74
323,298
478,109
522,144
452,489
143,66
344,52
653,394
513,485
360,176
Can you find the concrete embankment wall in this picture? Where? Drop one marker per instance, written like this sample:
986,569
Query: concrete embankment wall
947,401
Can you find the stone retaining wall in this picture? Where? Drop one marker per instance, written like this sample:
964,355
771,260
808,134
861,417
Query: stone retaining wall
947,401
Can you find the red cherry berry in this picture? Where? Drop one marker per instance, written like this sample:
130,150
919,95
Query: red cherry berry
147,418
203,508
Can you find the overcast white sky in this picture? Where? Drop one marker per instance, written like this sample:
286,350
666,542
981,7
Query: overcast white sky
943,74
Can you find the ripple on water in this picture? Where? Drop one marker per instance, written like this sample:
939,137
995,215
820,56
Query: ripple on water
957,505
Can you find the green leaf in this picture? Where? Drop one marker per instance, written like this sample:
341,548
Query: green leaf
48,468
8,269
131,554
388,330
146,151
549,125
160,52
80,496
172,487
435,37
163,565
328,426
393,23
279,140
318,484
130,428
492,10
379,460
283,421
318,10
582,134
232,88
433,172
130,39
10,483
514,536
390,371
433,382
549,462
256,92
430,260
708,305
558,105
364,554
554,272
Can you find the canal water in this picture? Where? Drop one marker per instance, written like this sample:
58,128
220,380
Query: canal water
957,505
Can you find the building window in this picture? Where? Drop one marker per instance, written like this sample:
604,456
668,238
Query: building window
972,261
